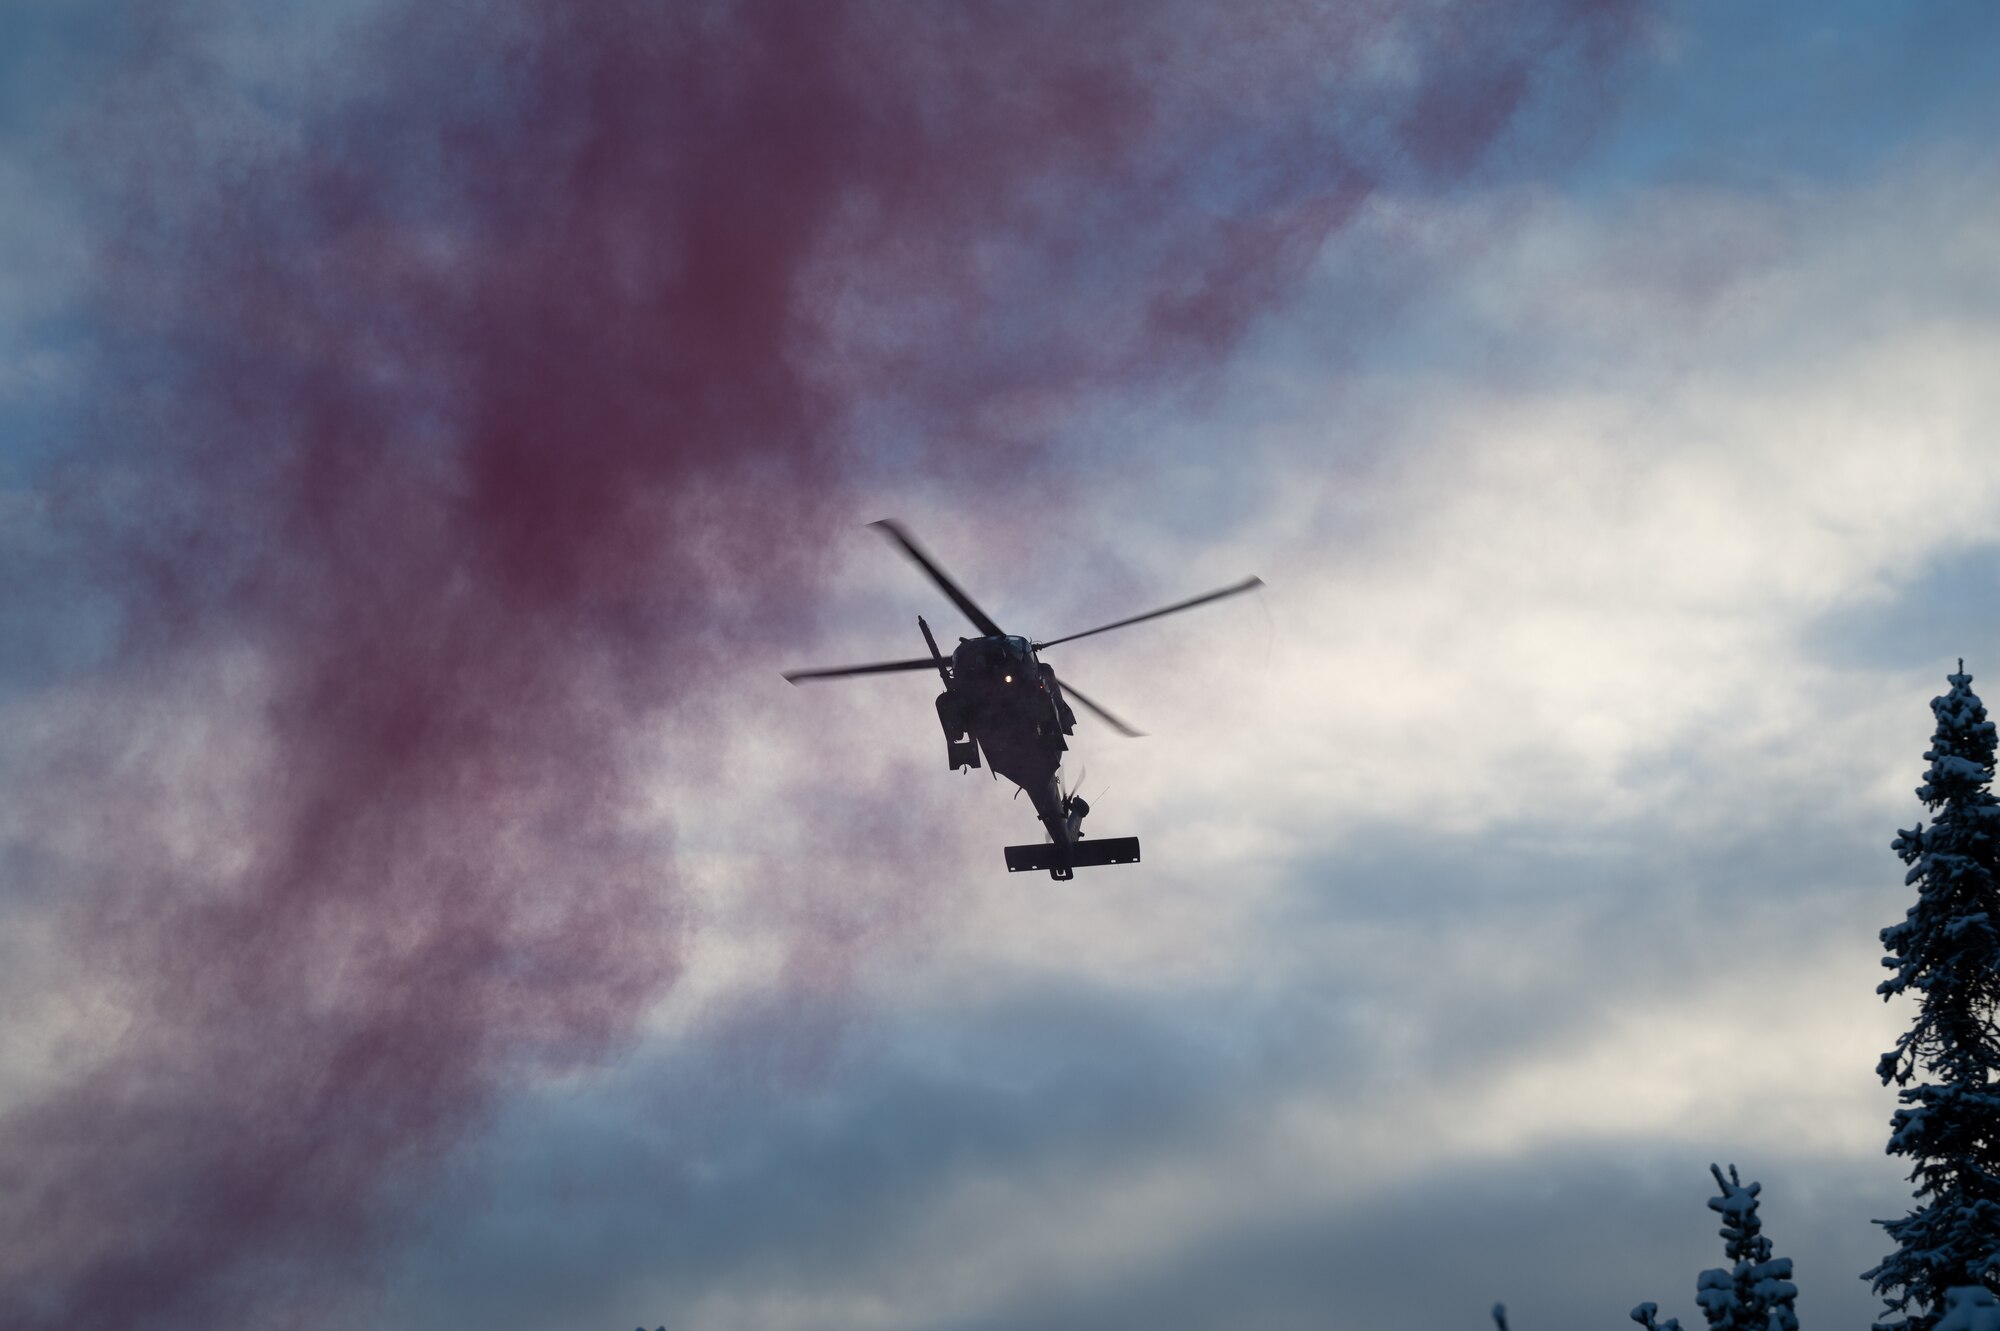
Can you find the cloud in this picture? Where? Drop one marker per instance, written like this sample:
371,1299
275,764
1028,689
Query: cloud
1527,857
1519,853
1075,1158
473,385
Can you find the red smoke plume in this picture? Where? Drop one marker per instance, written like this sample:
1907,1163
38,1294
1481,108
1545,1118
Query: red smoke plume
457,406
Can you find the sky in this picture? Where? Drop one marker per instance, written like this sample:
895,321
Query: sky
427,432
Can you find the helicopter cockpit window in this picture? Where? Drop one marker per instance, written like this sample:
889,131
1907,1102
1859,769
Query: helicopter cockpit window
976,657
1003,659
1014,659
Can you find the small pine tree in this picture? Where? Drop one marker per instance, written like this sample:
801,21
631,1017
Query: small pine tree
1757,1293
1946,950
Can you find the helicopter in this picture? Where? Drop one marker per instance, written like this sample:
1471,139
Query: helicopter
1002,700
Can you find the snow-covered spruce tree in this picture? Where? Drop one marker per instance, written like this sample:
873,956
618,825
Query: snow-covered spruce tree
1755,1294
1946,952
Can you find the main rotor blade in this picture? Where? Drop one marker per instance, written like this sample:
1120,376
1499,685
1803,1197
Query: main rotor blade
877,668
894,531
1234,589
1070,691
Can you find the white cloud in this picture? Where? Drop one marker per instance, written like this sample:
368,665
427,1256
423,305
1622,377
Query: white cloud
1528,800
1426,826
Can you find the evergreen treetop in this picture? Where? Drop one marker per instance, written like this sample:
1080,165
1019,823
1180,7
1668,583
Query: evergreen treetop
1946,951
1757,1293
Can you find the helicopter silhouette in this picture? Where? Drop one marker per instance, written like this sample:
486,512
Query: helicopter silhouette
1001,699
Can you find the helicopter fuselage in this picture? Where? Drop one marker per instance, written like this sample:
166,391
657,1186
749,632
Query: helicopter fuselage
999,696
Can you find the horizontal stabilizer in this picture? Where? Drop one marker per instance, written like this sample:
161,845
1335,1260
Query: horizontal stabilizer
1078,855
